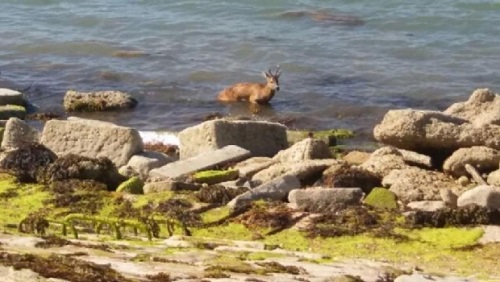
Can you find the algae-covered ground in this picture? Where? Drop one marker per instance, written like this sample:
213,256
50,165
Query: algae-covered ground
280,232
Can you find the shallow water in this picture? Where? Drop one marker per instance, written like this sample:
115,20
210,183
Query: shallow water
175,56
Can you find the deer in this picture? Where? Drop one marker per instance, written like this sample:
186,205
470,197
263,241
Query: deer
255,93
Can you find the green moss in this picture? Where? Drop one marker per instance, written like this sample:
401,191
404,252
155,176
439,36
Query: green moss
230,231
263,255
142,200
133,186
382,198
216,214
8,111
215,176
330,137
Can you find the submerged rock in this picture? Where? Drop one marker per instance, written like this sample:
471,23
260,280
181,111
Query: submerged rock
75,101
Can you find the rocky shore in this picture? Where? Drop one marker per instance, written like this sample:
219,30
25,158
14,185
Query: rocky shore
245,200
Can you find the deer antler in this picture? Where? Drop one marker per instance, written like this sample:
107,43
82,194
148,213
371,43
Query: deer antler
278,71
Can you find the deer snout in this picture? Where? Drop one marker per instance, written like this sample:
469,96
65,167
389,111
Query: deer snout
277,88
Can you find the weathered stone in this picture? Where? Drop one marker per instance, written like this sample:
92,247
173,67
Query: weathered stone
356,157
211,177
203,161
276,189
384,160
352,177
423,131
97,101
484,196
168,185
321,199
307,149
251,166
260,138
426,205
448,197
10,111
144,162
416,184
494,178
483,107
463,180
92,138
133,186
17,133
482,158
302,170
416,159
12,97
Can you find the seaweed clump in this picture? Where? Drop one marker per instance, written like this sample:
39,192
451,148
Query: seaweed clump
28,162
276,216
467,215
347,177
62,267
84,168
79,196
218,194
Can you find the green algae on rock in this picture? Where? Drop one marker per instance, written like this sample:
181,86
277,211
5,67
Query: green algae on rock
8,111
133,186
215,176
382,198
330,137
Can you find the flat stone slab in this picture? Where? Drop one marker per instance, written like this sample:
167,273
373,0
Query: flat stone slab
9,111
320,199
203,161
11,97
276,189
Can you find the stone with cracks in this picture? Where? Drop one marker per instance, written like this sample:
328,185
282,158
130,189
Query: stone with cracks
18,133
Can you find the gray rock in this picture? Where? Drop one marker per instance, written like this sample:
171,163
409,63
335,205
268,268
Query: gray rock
12,97
92,138
307,149
250,167
422,131
449,197
414,158
321,199
494,178
481,108
144,162
302,170
18,133
420,277
356,157
9,111
384,160
482,158
484,196
260,138
97,101
416,184
276,189
427,205
203,161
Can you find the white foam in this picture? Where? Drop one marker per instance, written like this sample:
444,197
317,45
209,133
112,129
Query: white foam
164,137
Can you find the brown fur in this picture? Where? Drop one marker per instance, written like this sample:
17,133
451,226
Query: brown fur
255,93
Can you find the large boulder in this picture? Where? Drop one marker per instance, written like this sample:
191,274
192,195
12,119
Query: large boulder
97,101
307,149
483,107
431,131
321,199
484,159
260,138
93,139
494,178
17,134
484,196
416,184
384,160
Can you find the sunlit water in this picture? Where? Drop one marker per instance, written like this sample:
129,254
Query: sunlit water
422,54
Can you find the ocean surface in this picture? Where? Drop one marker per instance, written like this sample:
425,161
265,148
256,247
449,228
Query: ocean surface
344,63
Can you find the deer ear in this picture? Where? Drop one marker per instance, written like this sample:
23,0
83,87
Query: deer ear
265,74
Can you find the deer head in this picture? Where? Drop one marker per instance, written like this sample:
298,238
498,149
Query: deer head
273,79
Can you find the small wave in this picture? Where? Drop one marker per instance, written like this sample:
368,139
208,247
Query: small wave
164,137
